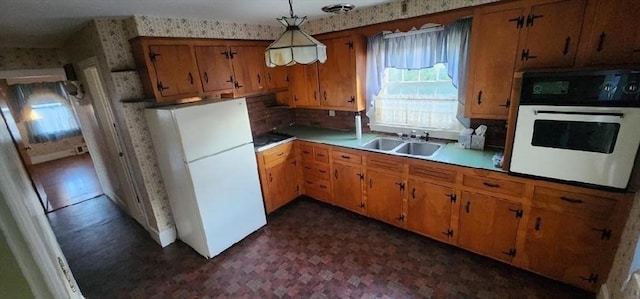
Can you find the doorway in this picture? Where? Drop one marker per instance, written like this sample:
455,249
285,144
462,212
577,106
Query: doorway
46,131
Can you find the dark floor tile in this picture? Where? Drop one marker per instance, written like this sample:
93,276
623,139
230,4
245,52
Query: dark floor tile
307,250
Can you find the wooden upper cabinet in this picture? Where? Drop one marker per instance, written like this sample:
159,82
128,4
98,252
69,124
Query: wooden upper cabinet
612,38
248,67
384,197
552,34
494,45
338,74
277,77
304,85
488,225
573,249
429,209
167,69
215,68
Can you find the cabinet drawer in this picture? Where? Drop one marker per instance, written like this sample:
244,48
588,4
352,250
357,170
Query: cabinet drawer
315,170
306,151
346,157
317,188
575,203
494,185
385,163
430,172
321,154
278,154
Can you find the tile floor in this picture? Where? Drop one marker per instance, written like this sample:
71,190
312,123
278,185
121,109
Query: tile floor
307,250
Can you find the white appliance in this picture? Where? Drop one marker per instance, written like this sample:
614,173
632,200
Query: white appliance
207,160
578,127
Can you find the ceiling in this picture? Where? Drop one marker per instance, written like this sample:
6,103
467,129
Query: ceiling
48,23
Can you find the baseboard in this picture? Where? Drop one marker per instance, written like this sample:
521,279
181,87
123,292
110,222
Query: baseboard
604,292
164,238
54,156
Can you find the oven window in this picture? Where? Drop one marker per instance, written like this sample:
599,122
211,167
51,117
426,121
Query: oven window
576,135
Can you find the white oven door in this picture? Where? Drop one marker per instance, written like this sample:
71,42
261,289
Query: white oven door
594,145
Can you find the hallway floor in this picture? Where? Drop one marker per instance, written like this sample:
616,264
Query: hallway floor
67,181
307,250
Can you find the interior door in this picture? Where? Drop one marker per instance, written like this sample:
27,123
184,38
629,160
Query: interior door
118,182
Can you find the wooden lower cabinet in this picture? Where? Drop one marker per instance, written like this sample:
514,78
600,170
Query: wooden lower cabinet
280,175
569,248
488,225
347,187
384,197
429,209
563,232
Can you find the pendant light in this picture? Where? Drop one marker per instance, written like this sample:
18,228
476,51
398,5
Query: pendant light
294,45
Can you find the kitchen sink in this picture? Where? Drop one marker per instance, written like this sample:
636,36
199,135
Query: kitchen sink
403,147
383,144
424,149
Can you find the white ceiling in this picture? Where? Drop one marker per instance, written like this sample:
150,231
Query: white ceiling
48,23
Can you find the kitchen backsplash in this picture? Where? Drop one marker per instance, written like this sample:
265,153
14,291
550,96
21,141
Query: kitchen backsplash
343,120
264,118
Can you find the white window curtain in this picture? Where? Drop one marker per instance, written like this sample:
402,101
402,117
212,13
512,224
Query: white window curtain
419,51
45,110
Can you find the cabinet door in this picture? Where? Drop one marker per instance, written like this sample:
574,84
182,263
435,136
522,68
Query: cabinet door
552,34
494,46
215,68
615,26
304,85
175,69
337,74
347,187
248,67
384,197
569,248
488,225
277,77
283,184
429,209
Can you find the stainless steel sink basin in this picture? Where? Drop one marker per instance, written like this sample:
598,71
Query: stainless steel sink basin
383,144
424,149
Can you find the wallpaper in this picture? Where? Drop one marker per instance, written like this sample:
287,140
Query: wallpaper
617,280
386,12
29,58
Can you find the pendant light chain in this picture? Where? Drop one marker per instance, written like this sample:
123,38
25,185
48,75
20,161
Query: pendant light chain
291,8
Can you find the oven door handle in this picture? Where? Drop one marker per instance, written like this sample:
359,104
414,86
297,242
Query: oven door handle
620,115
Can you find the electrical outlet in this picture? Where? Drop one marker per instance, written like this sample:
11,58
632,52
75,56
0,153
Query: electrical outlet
332,113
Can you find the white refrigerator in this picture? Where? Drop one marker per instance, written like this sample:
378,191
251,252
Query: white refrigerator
207,160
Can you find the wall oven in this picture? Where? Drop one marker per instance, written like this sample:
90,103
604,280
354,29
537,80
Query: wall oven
581,127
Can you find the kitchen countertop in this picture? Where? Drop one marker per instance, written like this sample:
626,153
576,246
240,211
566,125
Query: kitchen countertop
450,154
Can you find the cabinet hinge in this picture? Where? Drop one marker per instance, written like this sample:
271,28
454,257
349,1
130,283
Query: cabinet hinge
401,217
362,205
361,175
153,55
448,233
525,55
605,233
297,188
349,44
532,18
352,100
519,21
593,277
511,252
401,185
518,212
452,197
